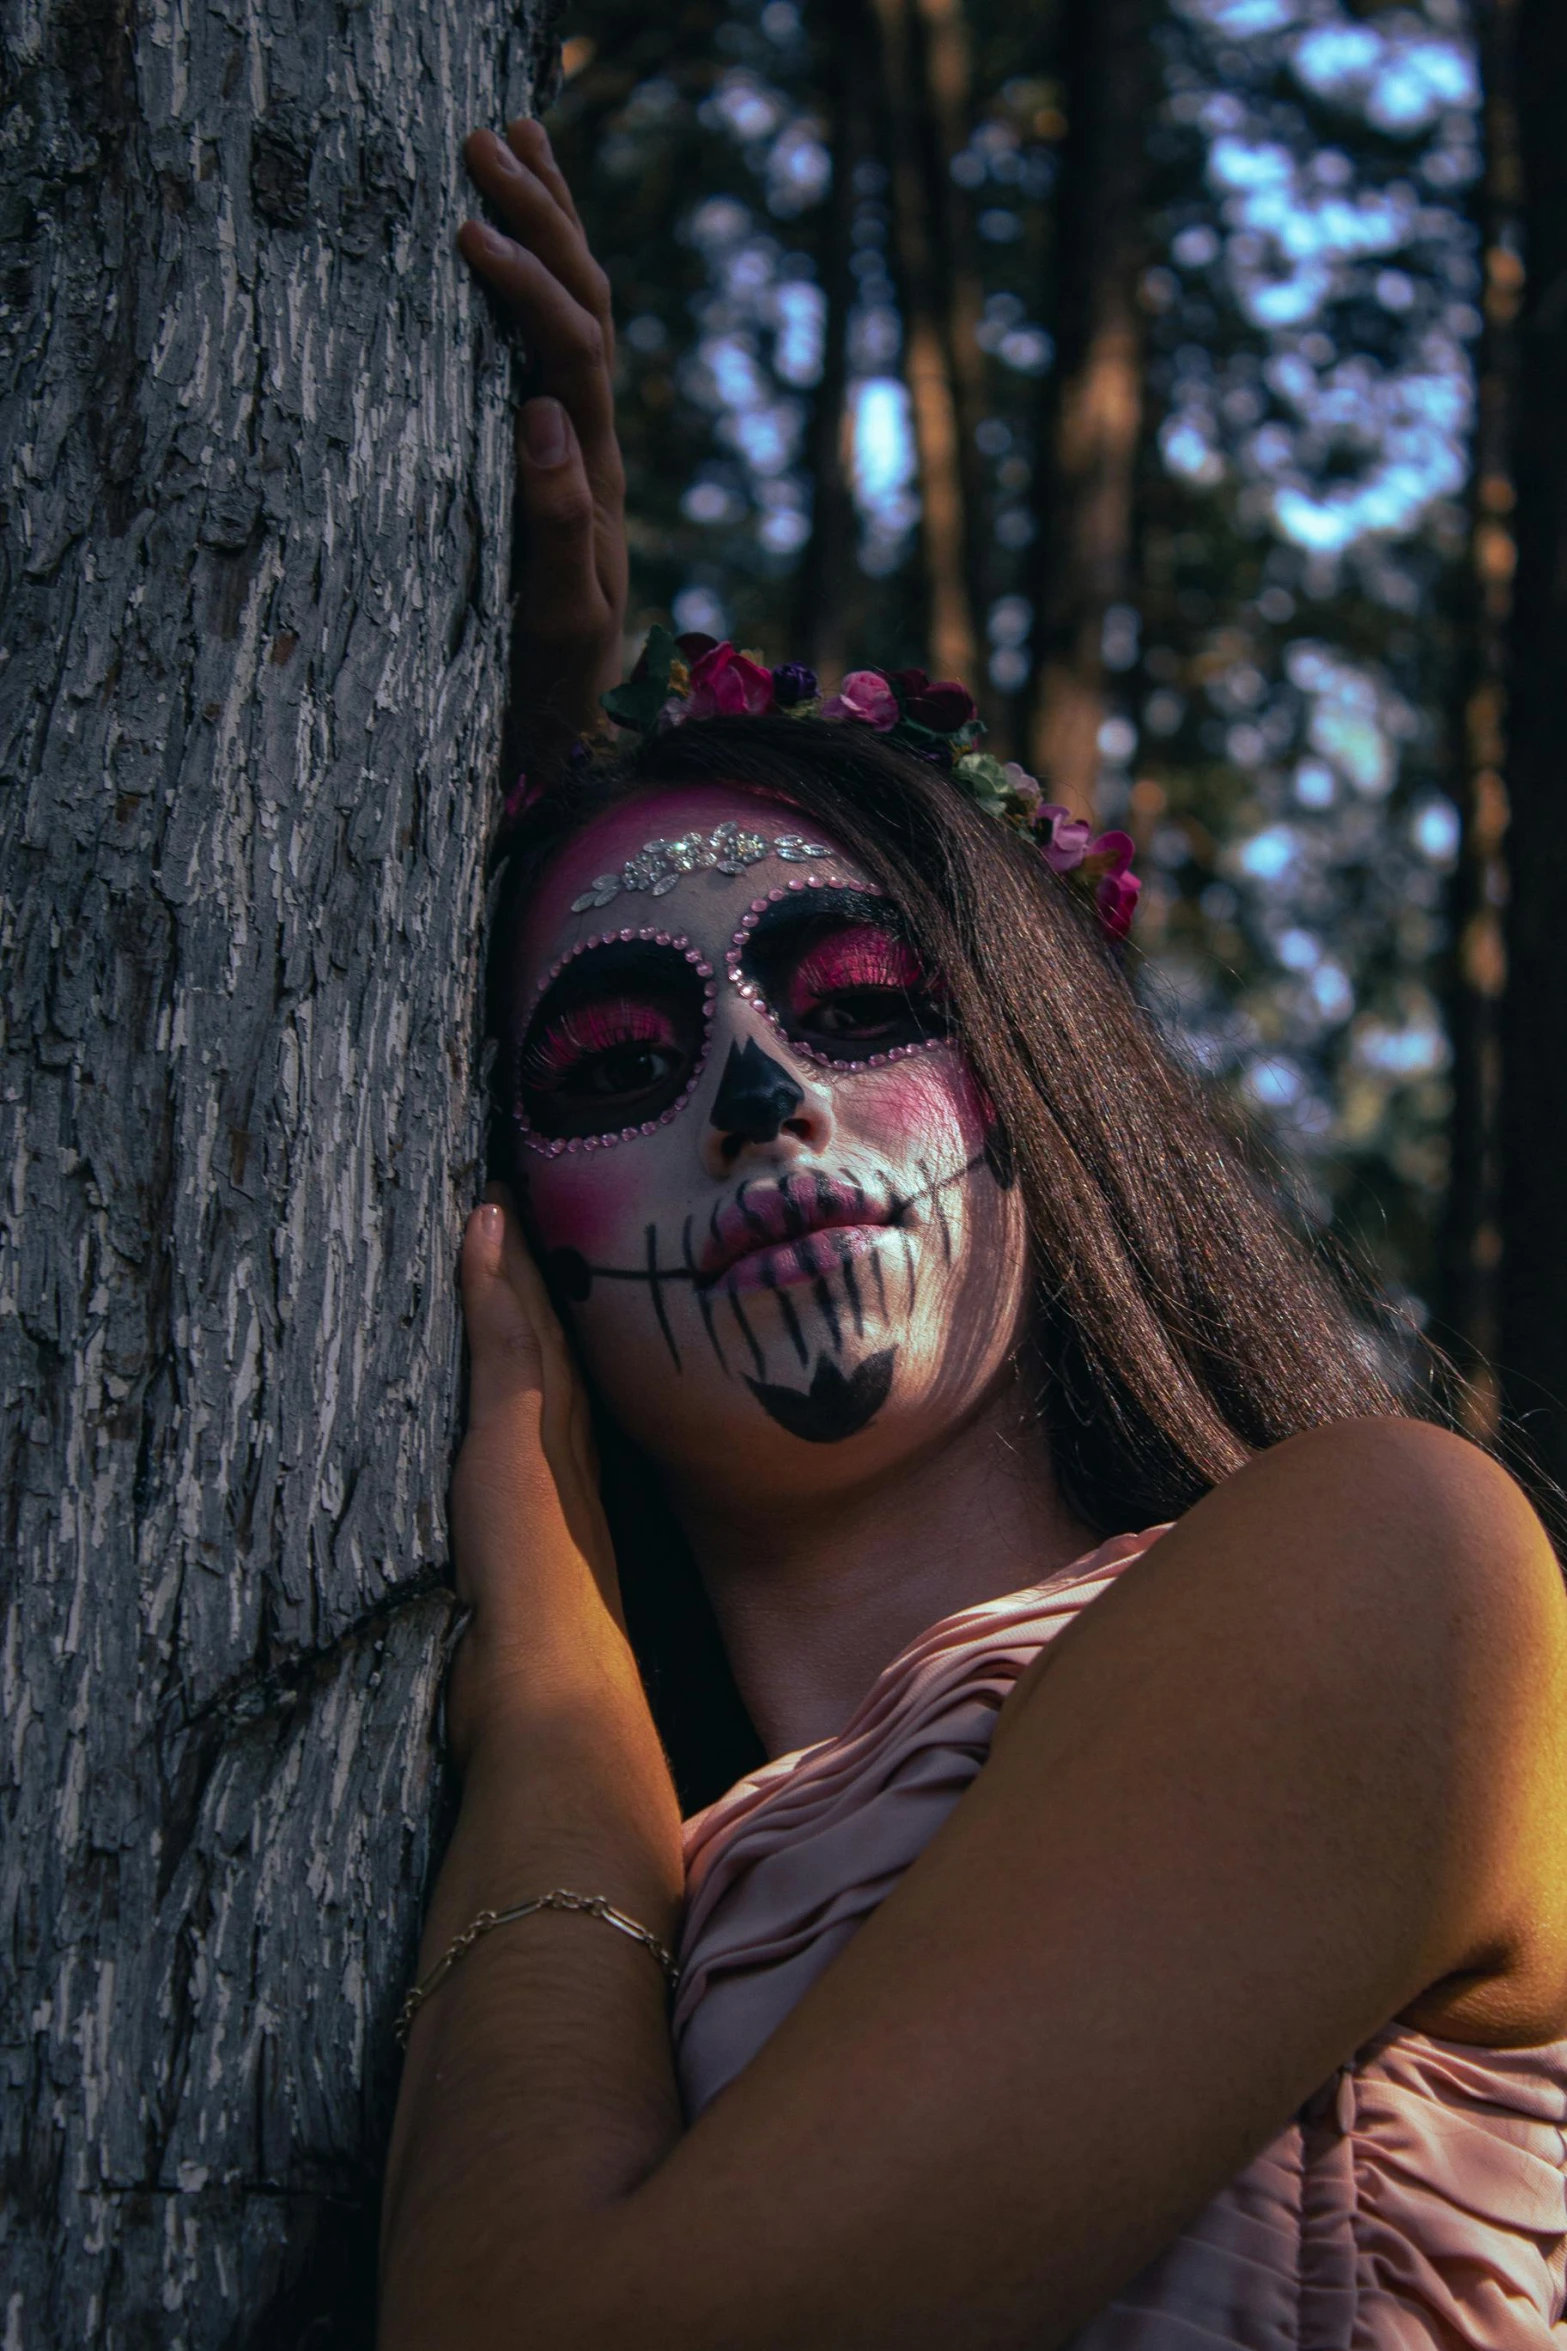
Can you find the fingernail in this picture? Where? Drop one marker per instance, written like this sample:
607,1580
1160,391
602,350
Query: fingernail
506,156
492,1221
544,431
490,239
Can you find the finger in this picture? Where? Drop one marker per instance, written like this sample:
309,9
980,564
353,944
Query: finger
568,344
528,138
566,1422
530,213
563,599
521,1271
506,1358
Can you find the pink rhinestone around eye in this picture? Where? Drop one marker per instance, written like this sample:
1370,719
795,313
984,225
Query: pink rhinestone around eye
551,1146
733,966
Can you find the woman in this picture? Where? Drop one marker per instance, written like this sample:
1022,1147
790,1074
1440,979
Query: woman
1156,1941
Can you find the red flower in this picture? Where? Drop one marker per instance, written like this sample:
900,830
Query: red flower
943,707
724,684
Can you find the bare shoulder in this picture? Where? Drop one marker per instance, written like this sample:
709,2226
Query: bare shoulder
1405,1524
1394,1580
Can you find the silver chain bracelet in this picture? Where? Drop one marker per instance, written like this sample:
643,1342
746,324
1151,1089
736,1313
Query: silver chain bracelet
560,1898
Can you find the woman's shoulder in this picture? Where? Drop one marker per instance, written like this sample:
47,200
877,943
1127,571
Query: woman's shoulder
1410,1518
1388,1576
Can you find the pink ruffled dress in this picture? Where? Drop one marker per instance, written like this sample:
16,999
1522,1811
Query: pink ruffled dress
1418,2201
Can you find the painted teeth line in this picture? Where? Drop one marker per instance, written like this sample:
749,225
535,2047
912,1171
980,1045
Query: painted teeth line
758,1357
897,1209
704,1302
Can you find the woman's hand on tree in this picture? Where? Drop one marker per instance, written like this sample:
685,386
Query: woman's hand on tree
533,1552
573,595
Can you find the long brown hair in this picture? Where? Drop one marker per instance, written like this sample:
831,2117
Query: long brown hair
1181,1324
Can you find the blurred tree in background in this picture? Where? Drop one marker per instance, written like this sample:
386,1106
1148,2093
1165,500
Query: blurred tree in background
1148,363
1530,42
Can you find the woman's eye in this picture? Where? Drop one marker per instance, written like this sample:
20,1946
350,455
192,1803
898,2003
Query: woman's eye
615,1040
861,985
612,1052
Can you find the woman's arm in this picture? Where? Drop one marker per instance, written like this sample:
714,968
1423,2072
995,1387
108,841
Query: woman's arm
1300,1766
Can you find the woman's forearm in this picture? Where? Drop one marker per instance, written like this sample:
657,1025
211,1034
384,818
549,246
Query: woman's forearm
539,2086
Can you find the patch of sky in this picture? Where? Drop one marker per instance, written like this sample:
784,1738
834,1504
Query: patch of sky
1275,1082
761,324
1401,75
699,609
1008,625
1243,19
883,456
1330,410
1355,723
1434,830
884,467
1359,448
1414,1047
1269,856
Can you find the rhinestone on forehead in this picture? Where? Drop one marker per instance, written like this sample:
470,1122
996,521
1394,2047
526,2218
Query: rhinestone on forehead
658,865
734,972
551,1146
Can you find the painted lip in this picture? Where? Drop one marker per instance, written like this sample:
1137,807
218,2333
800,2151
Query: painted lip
791,1231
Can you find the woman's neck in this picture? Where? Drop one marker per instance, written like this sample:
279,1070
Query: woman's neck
813,1600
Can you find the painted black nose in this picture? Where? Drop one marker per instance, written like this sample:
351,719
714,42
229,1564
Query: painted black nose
755,1099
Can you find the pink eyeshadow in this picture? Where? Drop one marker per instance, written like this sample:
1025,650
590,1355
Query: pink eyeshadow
858,956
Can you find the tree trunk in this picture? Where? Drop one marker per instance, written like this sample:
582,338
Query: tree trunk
826,597
1470,1240
923,76
1093,401
1533,1302
256,548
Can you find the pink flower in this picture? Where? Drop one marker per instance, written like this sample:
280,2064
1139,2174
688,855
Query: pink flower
865,695
1118,888
725,684
1025,789
1116,899
1063,837
1112,853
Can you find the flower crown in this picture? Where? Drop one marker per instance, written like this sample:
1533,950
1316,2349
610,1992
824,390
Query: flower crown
693,676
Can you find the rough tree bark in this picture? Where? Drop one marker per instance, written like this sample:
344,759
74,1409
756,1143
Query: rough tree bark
1093,398
1533,1277
255,542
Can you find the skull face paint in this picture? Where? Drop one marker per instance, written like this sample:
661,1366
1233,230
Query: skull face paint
757,1162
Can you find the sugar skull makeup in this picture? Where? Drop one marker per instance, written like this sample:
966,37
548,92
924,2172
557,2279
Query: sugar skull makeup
756,1162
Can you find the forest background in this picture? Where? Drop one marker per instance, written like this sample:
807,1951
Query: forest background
1153,368
1188,375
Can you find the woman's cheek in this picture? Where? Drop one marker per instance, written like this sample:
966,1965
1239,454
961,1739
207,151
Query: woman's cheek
590,1206
930,1106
